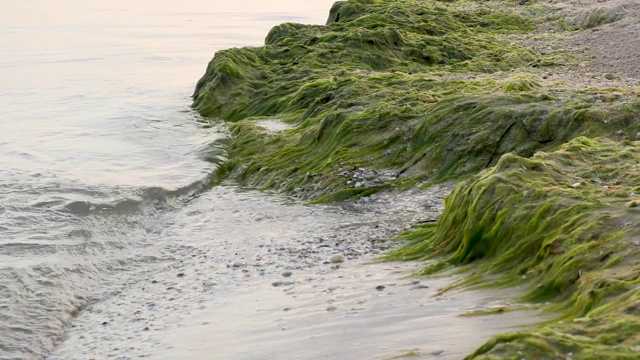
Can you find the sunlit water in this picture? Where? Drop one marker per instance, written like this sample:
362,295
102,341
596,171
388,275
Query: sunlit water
100,153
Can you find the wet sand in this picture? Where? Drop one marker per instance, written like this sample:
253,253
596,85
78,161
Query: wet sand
277,296
342,315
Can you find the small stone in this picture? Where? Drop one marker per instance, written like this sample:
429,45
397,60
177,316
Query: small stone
105,323
332,308
287,274
358,184
437,353
418,287
380,287
180,275
286,309
336,259
576,185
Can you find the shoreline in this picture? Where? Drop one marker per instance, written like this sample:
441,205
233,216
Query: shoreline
540,129
275,302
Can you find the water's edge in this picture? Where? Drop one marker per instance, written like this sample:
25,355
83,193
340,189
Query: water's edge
292,281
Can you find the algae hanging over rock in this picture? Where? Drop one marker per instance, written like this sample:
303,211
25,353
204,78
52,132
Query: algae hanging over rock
565,226
415,89
391,94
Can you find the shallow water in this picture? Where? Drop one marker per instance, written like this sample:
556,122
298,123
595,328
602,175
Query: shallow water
98,144
105,215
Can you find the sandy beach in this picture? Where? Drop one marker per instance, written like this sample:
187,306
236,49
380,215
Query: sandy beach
283,297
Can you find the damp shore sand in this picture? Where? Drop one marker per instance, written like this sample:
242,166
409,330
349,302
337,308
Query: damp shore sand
283,297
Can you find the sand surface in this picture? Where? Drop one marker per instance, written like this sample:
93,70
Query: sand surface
264,288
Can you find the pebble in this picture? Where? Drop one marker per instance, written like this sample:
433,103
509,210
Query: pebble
380,287
332,308
282,283
180,275
287,274
420,287
336,259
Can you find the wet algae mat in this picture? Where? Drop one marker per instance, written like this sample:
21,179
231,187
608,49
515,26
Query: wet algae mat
399,93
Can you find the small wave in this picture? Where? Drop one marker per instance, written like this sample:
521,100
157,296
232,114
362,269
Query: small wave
214,153
149,199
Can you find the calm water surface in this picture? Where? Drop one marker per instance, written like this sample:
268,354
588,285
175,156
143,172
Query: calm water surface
99,149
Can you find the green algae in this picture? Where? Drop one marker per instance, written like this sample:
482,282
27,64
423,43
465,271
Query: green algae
376,88
594,17
429,91
557,223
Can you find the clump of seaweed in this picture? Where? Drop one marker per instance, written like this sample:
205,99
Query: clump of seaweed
561,224
594,17
377,87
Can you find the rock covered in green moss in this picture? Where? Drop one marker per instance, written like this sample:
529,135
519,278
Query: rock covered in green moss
559,224
361,35
415,88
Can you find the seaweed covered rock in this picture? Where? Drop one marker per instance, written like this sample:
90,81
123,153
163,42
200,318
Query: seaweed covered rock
406,36
564,224
421,89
